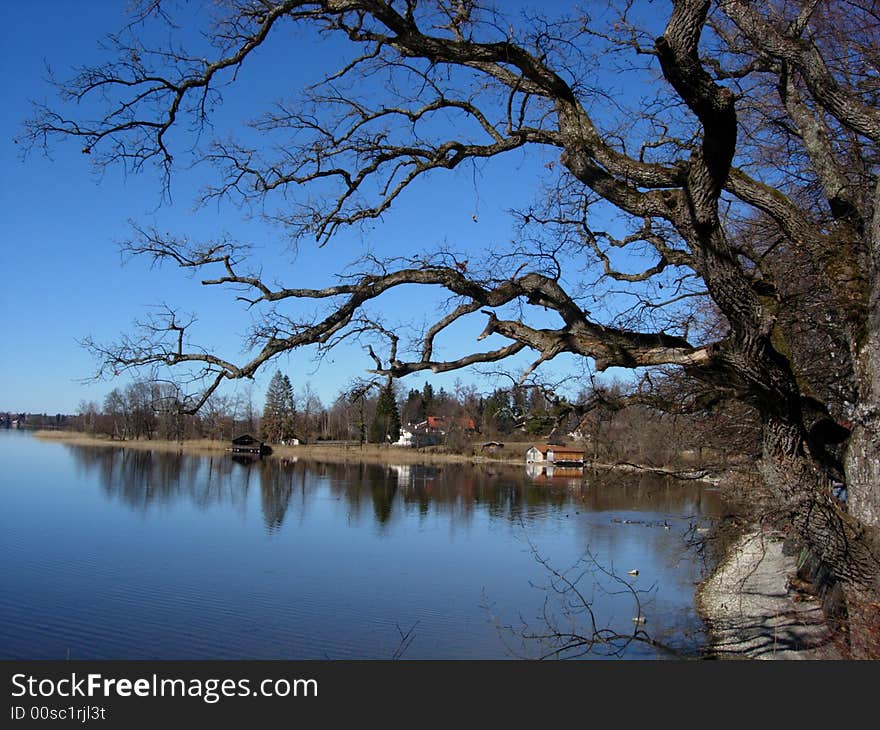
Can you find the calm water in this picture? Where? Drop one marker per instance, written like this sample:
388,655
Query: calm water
134,555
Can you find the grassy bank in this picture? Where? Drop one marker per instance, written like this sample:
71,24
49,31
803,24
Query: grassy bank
513,452
77,438
373,453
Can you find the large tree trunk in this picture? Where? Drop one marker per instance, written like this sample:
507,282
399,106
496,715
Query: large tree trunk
862,462
863,453
803,494
845,543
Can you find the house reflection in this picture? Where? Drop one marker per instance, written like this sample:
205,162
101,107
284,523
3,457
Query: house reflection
376,493
552,475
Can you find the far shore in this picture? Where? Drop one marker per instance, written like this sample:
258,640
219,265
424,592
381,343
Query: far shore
374,453
512,453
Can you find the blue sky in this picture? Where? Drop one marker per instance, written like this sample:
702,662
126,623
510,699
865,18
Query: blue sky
61,223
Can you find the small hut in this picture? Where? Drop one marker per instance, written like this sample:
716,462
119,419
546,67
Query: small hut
247,444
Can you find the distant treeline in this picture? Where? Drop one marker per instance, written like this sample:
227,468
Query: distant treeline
35,420
615,427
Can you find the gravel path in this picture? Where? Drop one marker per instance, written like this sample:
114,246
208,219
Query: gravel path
751,611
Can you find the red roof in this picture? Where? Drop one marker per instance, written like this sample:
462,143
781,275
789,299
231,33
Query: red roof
440,422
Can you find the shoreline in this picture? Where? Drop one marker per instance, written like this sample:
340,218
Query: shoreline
512,455
370,453
751,610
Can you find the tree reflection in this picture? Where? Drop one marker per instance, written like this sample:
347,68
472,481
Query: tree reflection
276,488
140,479
383,488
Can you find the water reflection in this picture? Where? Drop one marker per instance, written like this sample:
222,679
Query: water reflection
143,479
111,553
550,474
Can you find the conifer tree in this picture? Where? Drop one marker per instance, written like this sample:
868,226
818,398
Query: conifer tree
279,411
386,423
288,410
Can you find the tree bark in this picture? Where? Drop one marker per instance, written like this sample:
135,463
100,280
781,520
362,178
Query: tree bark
863,453
862,461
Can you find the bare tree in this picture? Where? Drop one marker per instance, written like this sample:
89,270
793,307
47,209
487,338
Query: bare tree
742,114
568,626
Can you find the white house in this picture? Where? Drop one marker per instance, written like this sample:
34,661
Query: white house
406,438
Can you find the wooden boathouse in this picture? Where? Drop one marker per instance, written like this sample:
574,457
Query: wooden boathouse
556,454
247,444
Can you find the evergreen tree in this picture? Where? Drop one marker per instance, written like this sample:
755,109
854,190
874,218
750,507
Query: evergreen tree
427,400
288,410
442,404
414,408
278,414
386,423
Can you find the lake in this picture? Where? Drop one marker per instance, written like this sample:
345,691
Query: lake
128,554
